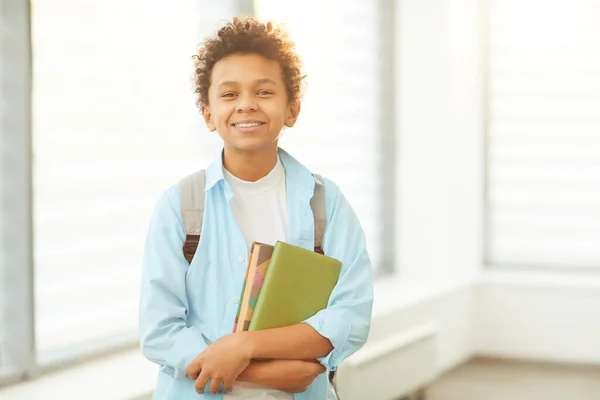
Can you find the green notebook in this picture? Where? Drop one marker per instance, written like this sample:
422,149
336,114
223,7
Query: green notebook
297,285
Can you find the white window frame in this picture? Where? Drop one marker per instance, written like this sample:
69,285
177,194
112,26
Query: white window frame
16,226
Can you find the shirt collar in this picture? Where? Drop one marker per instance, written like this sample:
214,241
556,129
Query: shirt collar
214,172
296,173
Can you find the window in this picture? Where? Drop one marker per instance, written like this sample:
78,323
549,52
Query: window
544,133
338,133
114,124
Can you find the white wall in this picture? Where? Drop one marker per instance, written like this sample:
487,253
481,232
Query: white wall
440,142
403,304
547,317
440,154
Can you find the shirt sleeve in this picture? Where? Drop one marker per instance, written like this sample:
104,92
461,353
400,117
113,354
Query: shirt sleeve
347,318
165,337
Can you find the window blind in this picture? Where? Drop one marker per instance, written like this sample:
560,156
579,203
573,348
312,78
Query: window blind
338,134
114,124
544,133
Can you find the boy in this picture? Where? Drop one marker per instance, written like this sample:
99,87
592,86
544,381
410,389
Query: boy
248,81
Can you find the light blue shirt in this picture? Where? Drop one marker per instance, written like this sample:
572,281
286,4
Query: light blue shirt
183,307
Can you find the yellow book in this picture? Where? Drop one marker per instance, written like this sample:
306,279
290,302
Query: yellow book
297,285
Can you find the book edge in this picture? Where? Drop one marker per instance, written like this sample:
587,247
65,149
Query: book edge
244,300
239,308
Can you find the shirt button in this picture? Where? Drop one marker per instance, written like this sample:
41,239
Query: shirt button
240,259
234,300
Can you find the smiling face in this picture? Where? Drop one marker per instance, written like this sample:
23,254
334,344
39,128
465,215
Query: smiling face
248,103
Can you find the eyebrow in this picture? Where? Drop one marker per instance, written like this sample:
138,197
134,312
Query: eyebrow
259,81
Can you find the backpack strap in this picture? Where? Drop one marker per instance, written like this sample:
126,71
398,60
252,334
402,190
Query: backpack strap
191,198
317,204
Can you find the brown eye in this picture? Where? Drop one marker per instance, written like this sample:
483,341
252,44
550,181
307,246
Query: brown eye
265,93
228,94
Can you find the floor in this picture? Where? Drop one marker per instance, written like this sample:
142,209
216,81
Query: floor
487,379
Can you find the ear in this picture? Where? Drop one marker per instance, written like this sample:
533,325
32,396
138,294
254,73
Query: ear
208,118
292,114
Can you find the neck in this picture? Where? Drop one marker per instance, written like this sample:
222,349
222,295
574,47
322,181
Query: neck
250,166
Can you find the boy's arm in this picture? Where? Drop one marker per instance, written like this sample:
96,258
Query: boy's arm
333,334
295,342
290,376
165,337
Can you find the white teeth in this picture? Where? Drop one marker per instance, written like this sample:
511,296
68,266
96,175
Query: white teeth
250,125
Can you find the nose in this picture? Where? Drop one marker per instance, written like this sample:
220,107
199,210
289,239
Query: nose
246,104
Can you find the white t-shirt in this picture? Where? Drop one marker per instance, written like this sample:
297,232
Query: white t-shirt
260,210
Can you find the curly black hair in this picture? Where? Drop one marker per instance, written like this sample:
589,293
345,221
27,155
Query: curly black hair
248,36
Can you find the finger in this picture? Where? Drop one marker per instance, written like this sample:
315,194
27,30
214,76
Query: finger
228,385
193,370
201,382
320,368
215,384
194,374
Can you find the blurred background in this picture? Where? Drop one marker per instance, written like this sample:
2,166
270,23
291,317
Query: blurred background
465,133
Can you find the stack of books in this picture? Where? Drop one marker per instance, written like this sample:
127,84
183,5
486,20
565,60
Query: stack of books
284,285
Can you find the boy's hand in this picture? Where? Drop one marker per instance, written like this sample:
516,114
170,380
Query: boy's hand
299,375
221,363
